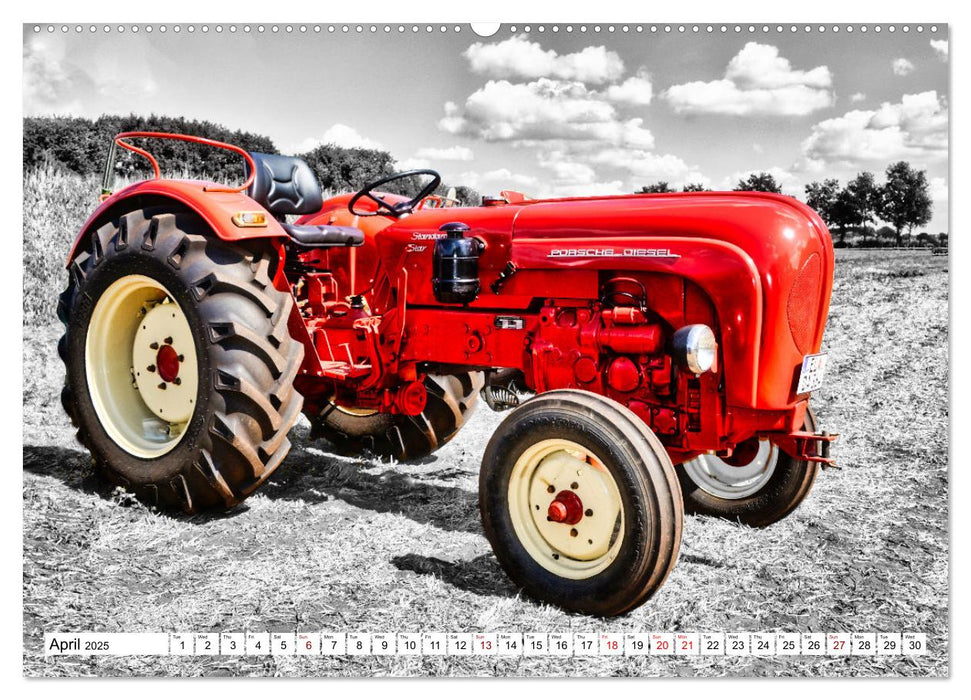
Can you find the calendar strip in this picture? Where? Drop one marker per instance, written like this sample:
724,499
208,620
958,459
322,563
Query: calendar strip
565,644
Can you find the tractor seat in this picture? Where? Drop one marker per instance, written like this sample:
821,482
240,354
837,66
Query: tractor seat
287,185
324,236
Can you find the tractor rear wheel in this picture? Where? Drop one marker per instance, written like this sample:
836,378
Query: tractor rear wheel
452,399
581,503
178,359
762,489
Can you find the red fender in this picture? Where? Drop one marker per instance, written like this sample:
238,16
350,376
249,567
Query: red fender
215,208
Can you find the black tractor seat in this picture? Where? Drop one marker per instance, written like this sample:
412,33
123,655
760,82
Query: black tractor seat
324,236
287,185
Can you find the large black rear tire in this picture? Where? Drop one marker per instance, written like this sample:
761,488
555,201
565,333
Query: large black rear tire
235,335
452,398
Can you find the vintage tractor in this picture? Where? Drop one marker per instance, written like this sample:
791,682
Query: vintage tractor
654,331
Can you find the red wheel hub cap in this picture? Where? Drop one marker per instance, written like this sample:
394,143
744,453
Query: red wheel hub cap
566,508
167,361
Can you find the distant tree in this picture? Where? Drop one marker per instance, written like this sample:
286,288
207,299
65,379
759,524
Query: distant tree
656,188
81,146
942,239
843,213
866,195
821,196
886,235
467,196
905,200
344,169
759,182
695,187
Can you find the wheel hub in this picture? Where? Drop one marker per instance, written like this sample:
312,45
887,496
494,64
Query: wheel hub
579,522
163,363
167,361
566,508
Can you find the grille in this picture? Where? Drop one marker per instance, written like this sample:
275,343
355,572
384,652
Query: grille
804,302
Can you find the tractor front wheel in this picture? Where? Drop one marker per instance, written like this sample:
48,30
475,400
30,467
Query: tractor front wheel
759,487
581,503
179,364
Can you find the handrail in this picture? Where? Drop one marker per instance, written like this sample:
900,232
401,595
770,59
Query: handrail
119,140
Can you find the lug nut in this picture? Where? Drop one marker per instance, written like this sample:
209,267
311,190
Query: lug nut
154,346
168,341
573,532
574,486
177,381
551,489
151,368
163,386
588,512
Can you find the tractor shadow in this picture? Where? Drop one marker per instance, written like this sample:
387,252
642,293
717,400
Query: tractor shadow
69,466
481,576
312,475
309,474
73,468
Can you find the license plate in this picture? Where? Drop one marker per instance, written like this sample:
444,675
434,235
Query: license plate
812,373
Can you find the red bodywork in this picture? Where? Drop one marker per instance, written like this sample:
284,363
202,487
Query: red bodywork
756,268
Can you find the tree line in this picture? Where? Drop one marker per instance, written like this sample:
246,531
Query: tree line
903,201
80,145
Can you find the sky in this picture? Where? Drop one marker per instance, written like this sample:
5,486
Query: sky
573,111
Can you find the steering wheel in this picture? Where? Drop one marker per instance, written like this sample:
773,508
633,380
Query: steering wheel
386,208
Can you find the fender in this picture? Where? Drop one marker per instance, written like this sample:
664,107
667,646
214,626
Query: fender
723,270
215,208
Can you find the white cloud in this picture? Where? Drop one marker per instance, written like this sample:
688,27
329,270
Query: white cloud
47,82
941,47
757,81
450,153
938,189
542,110
857,97
494,181
901,66
412,164
338,135
914,127
590,189
645,167
517,57
636,90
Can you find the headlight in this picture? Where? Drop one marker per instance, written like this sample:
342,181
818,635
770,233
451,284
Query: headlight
695,347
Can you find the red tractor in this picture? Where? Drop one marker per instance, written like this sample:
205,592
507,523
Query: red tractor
654,331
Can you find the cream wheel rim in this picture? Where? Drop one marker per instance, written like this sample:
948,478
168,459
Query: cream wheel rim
587,540
718,478
141,366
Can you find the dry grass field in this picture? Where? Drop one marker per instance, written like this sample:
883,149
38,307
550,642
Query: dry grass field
356,545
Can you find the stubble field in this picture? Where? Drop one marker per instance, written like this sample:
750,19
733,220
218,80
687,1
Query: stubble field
338,544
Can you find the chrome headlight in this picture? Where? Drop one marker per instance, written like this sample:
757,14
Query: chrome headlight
695,347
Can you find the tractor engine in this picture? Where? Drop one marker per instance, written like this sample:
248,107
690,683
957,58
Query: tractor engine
619,348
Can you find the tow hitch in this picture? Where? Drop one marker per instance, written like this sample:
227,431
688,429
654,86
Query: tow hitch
811,447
